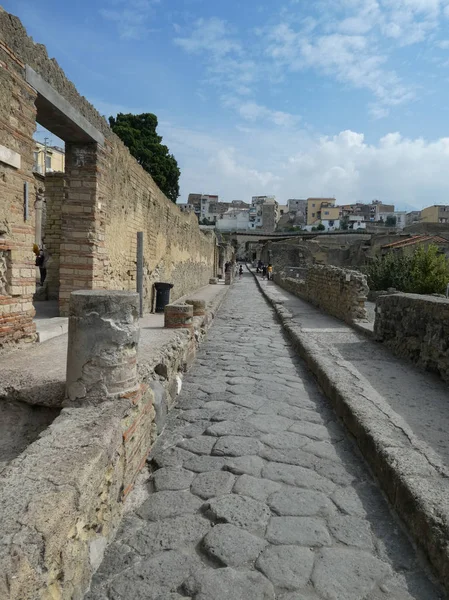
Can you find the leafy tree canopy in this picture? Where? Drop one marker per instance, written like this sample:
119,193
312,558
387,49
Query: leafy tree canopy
426,271
138,133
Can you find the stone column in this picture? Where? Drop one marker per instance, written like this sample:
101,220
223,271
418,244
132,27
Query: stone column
102,346
178,316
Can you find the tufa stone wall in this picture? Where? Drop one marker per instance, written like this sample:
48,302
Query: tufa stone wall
415,327
175,250
339,292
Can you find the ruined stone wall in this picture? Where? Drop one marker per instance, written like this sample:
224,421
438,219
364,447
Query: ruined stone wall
415,327
51,226
339,292
175,250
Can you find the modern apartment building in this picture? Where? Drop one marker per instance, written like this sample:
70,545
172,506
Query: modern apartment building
48,159
315,206
438,213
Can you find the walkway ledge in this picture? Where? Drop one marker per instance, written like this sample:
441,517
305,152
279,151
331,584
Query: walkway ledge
410,473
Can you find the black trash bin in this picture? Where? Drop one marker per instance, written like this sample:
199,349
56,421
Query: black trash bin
162,295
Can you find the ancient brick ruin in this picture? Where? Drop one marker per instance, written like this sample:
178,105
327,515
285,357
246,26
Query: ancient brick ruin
94,210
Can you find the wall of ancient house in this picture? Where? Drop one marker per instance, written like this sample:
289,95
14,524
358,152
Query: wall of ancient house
416,327
339,292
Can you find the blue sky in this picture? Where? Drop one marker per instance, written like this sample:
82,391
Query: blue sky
294,98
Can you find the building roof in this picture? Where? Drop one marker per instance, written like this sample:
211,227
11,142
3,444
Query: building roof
416,239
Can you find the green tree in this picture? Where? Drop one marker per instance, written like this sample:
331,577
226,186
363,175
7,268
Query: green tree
138,133
344,222
390,221
429,272
320,227
426,271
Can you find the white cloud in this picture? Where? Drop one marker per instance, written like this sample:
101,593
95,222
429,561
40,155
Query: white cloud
443,44
211,36
252,111
252,160
131,16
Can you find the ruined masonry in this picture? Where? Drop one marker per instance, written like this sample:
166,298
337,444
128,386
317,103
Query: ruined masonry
93,211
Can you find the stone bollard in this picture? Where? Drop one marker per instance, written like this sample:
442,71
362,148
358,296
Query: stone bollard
228,278
102,345
213,280
199,307
178,316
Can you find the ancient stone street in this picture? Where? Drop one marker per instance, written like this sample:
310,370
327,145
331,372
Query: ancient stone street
257,491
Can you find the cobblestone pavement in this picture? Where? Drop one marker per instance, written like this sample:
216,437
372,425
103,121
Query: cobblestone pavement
258,492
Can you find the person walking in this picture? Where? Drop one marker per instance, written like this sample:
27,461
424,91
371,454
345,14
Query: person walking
240,271
264,272
270,272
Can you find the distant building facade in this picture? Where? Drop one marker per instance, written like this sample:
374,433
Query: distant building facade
414,216
48,159
438,213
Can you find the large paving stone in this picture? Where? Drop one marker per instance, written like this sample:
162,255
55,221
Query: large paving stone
285,440
231,413
212,483
199,464
301,414
324,449
162,505
227,584
251,465
202,444
241,380
231,445
287,567
300,503
271,423
351,531
170,457
235,428
346,573
245,398
167,534
304,531
311,430
299,476
292,456
255,487
163,573
232,545
172,479
349,502
240,511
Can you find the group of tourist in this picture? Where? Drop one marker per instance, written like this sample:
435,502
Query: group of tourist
266,270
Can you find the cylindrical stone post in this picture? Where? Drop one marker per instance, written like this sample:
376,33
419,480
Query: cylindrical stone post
199,307
102,346
178,316
213,280
228,277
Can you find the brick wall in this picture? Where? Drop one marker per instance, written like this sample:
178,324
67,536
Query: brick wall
17,123
55,194
339,292
415,327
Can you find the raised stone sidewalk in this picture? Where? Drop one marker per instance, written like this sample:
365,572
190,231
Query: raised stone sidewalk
256,492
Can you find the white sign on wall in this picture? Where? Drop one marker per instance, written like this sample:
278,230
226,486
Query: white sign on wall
9,157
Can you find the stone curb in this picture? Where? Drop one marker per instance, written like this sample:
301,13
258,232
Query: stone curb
410,473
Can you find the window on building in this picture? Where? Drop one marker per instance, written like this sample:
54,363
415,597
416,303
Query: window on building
313,205
326,212
36,158
313,214
48,162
